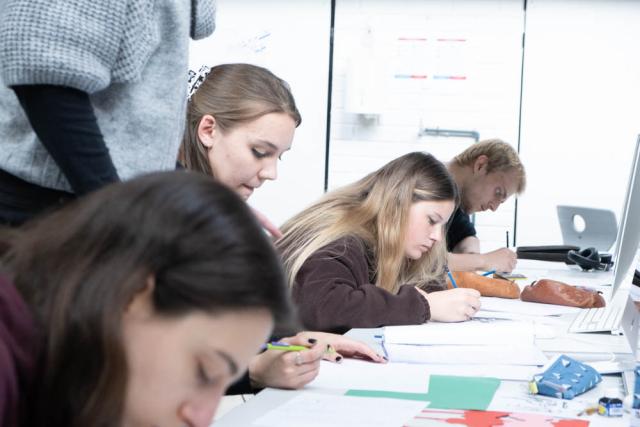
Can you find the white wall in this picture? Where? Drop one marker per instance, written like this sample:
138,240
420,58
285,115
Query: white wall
579,119
291,38
580,115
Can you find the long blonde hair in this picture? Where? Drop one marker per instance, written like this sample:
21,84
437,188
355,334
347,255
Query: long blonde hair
376,210
234,94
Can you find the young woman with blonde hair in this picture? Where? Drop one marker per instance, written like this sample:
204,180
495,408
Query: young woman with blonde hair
241,118
373,253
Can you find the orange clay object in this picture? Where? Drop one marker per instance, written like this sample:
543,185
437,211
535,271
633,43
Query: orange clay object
487,286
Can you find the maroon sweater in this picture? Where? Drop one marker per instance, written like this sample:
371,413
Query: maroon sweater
334,292
18,354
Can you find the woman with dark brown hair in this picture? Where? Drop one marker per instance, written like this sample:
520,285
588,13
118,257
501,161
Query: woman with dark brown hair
241,119
137,305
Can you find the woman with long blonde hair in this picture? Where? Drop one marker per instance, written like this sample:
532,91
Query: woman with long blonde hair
372,253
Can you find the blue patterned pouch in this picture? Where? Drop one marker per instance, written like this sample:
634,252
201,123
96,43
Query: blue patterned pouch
565,378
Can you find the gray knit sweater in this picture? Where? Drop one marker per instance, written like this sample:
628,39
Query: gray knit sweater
129,55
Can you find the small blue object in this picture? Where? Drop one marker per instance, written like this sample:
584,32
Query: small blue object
453,282
566,378
610,407
489,273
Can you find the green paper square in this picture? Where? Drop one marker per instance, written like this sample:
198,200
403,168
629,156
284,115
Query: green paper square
446,392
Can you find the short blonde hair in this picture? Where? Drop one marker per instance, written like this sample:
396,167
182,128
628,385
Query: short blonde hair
502,158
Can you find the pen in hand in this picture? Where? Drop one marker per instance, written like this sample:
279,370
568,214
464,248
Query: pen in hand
507,238
453,282
287,347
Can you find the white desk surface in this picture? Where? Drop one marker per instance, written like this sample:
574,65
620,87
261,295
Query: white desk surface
581,346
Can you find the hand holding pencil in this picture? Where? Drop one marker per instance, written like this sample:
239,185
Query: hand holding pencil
294,361
290,363
341,346
502,260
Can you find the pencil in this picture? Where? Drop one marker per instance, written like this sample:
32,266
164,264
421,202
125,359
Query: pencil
453,282
507,238
489,273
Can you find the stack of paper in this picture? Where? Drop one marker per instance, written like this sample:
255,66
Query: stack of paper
497,348
467,354
523,307
503,372
474,332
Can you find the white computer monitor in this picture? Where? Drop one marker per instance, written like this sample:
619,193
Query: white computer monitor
629,230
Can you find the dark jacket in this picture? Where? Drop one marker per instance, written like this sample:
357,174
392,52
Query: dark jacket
334,292
460,227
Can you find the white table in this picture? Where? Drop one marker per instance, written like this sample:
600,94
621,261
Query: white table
584,346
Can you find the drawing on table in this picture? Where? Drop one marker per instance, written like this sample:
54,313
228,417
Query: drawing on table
439,417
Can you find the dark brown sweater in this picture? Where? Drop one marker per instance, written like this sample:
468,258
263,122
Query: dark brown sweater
334,292
19,348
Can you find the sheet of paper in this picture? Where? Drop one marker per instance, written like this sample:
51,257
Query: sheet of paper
309,409
522,307
549,320
503,372
359,374
448,392
473,332
507,354
448,417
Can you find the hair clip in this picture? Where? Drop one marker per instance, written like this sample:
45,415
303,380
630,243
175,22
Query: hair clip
196,79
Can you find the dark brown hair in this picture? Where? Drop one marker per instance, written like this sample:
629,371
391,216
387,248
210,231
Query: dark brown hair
78,269
234,94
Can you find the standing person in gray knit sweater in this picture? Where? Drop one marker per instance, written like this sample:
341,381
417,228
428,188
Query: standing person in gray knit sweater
90,93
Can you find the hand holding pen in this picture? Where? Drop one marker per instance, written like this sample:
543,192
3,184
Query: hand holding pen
282,346
341,346
502,260
294,361
288,364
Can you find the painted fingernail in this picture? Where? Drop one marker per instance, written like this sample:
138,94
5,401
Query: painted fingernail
328,347
338,359
312,340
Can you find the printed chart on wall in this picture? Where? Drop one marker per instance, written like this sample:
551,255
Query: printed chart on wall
432,55
422,58
408,73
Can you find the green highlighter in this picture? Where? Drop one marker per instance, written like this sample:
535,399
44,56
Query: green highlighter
284,347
